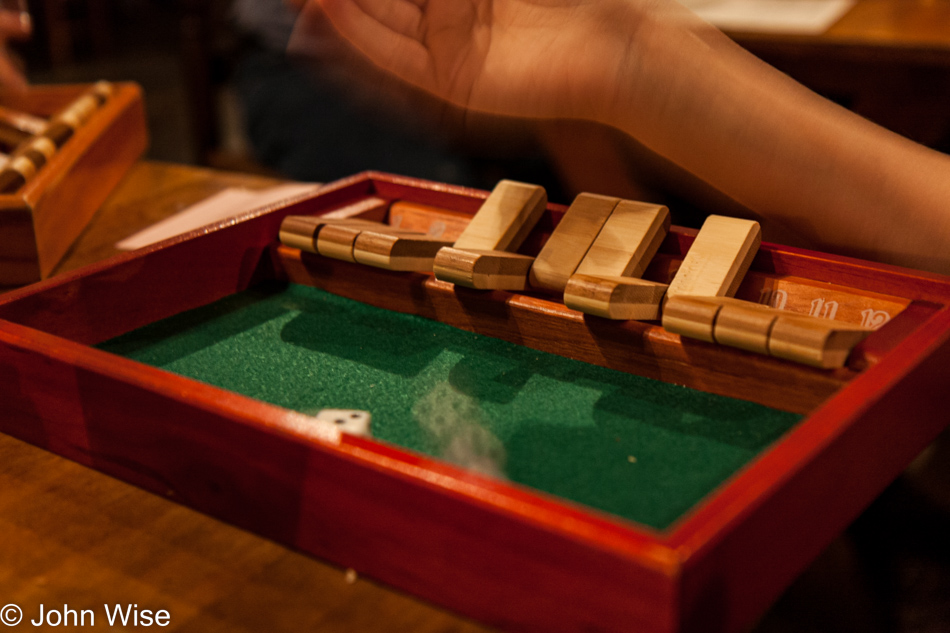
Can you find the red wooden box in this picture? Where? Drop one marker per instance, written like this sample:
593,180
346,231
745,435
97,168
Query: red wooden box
494,551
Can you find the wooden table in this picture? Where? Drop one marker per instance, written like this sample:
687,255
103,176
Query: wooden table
150,192
909,30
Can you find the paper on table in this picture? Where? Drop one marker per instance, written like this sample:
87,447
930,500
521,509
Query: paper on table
799,17
221,206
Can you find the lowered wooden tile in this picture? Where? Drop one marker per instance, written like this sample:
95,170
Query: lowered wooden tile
627,241
300,231
615,297
605,282
744,324
722,320
394,250
718,259
691,316
505,218
484,270
754,327
338,239
570,241
813,340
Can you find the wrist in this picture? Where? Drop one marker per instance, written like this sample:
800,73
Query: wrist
665,53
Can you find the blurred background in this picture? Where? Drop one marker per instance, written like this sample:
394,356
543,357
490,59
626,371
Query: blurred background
220,93
214,73
176,49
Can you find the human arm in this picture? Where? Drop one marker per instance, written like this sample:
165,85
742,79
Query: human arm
682,89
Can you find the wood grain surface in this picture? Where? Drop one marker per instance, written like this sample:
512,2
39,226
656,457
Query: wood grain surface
150,192
74,536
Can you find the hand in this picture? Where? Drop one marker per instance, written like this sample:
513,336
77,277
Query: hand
11,27
541,58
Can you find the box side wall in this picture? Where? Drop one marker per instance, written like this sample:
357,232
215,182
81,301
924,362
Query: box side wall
734,578
84,172
412,532
128,291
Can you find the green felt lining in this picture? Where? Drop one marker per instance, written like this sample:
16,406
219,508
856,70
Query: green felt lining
630,446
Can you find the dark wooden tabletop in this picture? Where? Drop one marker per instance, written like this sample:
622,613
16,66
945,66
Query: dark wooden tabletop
900,25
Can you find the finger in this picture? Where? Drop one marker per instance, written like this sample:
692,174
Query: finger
403,55
401,16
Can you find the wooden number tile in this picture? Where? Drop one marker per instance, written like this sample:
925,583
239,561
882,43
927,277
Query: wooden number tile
25,162
757,328
64,124
484,270
813,340
12,137
505,218
24,122
627,242
718,259
397,250
570,241
745,325
361,241
300,231
338,239
722,320
16,172
615,297
691,316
